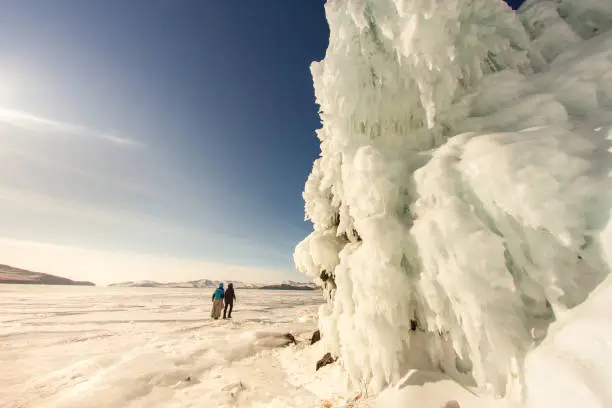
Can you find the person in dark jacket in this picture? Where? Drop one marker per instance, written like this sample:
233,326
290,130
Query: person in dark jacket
230,296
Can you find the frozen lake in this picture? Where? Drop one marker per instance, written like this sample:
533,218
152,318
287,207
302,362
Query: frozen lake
137,347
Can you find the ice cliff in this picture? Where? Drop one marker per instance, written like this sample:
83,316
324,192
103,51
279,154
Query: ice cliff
461,200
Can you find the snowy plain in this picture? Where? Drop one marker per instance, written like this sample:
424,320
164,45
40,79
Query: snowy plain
136,347
63,346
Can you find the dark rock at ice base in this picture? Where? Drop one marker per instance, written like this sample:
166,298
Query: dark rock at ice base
326,360
275,339
290,338
316,336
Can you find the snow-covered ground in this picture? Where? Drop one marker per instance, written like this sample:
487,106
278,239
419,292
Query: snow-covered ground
136,347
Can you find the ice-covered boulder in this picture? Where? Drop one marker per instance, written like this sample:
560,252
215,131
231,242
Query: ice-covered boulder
462,184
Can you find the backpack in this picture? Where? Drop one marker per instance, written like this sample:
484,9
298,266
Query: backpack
219,294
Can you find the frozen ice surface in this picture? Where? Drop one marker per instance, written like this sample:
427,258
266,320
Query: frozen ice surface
463,187
136,347
572,366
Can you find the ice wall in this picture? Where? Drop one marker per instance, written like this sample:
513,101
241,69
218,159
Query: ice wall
461,190
555,25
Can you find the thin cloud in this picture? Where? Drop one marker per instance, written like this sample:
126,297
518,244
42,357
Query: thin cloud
72,214
30,122
64,167
42,203
104,267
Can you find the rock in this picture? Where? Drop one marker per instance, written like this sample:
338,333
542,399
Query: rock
335,219
413,325
233,390
188,378
326,360
290,337
316,336
451,404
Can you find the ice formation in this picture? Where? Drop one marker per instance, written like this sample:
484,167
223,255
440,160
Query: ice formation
461,199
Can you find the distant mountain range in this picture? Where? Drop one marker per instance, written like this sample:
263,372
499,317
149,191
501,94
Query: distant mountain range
8,274
206,283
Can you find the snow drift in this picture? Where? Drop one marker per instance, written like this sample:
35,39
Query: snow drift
571,368
461,200
153,347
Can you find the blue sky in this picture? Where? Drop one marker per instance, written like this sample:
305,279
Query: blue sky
157,139
515,4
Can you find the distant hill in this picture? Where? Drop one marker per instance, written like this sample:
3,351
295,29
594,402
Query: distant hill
284,286
206,283
201,283
8,274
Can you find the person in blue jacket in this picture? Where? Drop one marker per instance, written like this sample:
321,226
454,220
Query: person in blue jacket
217,299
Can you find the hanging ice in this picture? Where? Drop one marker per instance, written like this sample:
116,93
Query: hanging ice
462,184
